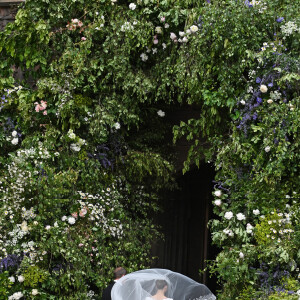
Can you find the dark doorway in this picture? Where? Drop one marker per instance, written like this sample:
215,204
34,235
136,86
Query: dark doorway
187,210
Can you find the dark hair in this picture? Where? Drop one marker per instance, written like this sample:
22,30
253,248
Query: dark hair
160,284
119,272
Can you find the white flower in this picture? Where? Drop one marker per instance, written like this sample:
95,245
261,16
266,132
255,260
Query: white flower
64,218
167,25
173,36
218,193
240,216
164,45
71,220
298,292
55,224
71,134
181,33
15,141
228,232
21,278
256,212
75,147
270,101
34,292
263,88
12,279
194,28
249,228
268,148
14,133
287,196
132,6
241,255
144,57
185,40
228,215
48,227
243,102
218,202
161,113
117,125
188,31
158,29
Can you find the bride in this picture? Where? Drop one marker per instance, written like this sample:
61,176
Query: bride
159,284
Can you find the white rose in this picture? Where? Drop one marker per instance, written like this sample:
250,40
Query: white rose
240,216
218,193
228,215
188,31
218,202
21,278
34,292
241,255
71,220
117,125
132,6
181,33
263,88
14,133
270,101
12,279
161,113
194,28
15,141
173,36
64,218
75,147
249,228
256,212
268,148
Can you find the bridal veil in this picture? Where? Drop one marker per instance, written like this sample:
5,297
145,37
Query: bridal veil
142,284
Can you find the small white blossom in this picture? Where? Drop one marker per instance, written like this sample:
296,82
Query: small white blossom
243,102
132,6
144,57
34,292
249,228
241,255
173,36
71,220
64,218
12,279
256,212
218,193
117,125
218,202
161,113
14,133
21,278
263,88
228,215
240,216
267,149
270,101
194,28
15,141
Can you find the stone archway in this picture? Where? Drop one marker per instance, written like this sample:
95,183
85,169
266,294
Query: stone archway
187,243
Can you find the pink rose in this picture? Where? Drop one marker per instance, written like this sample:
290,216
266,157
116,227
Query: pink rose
155,42
83,212
83,38
74,214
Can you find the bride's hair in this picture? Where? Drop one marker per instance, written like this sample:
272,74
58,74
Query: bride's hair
160,284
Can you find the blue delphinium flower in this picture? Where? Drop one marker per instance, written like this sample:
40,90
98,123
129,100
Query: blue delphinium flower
280,19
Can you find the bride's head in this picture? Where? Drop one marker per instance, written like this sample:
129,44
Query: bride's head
161,285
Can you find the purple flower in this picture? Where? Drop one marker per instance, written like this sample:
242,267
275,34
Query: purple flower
258,80
259,100
3,97
280,19
270,84
208,1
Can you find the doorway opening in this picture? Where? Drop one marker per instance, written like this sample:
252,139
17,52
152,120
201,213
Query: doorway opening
186,212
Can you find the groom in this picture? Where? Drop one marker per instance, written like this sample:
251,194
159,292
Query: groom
118,273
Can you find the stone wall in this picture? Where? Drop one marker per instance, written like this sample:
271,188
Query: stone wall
8,10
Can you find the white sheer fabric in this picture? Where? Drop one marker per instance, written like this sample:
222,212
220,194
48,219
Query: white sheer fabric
142,285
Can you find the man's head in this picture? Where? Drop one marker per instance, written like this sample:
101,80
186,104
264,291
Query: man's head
119,272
